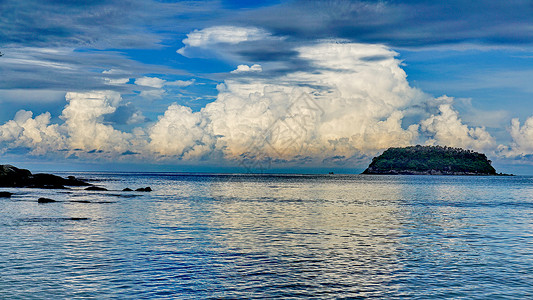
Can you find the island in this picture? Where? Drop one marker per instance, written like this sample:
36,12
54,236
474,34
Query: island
431,160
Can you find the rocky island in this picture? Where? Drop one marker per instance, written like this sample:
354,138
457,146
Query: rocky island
431,160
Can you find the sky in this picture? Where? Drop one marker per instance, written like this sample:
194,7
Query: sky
262,86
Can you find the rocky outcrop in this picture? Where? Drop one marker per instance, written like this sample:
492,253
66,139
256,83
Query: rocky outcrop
11,176
5,194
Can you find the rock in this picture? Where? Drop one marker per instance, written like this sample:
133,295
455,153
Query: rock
5,194
127,190
45,200
95,188
146,189
73,181
11,176
47,181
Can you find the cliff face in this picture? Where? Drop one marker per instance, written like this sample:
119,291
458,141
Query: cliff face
430,160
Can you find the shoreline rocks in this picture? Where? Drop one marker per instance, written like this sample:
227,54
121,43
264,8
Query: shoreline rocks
11,176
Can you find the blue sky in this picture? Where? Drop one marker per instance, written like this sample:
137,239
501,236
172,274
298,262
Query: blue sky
259,86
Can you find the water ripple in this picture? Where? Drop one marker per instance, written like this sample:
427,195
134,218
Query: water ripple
280,237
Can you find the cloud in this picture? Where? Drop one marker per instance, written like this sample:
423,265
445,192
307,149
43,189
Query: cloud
156,85
126,114
84,116
179,132
181,83
98,24
344,106
246,68
29,68
216,35
116,77
448,129
150,82
410,24
37,133
350,103
522,135
129,153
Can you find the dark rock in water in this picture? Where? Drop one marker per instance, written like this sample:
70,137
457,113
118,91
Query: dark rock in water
127,190
48,181
146,189
95,188
5,194
11,176
46,200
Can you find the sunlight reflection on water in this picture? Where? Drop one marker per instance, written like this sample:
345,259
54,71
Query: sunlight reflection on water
283,236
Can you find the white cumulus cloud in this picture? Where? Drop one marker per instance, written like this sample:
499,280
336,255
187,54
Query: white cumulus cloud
150,82
231,35
448,129
246,69
35,133
84,115
179,132
352,101
522,138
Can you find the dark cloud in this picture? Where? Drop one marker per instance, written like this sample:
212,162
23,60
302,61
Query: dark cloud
95,151
73,23
401,23
124,114
100,24
65,69
128,152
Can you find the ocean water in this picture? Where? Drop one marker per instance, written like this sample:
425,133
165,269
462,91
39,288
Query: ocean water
256,237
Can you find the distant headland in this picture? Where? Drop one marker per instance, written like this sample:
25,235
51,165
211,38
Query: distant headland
431,160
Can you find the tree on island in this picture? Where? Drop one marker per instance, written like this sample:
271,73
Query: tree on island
431,160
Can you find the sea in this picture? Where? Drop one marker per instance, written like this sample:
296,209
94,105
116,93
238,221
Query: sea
246,236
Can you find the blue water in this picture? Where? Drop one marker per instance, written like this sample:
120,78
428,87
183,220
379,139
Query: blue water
287,237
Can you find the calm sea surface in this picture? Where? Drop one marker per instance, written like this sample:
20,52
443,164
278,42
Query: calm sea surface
287,236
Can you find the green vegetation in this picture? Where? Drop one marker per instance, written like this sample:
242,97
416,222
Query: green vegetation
430,160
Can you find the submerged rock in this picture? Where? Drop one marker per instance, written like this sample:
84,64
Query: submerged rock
45,200
146,189
127,190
